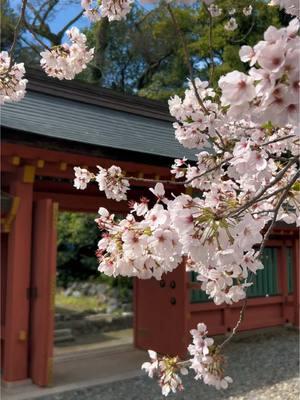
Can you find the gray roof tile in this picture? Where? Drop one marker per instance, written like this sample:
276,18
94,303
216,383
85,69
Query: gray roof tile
62,118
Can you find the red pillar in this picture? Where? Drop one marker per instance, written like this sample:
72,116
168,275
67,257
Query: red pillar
282,278
297,282
4,243
18,280
43,284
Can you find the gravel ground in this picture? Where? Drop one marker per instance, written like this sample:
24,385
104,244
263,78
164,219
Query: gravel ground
263,367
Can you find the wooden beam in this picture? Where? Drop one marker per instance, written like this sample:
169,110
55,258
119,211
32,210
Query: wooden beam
82,202
34,153
43,283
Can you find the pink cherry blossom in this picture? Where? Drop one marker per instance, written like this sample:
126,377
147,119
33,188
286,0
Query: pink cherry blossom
12,82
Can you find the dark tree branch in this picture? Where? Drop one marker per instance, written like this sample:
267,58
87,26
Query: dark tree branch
17,31
60,34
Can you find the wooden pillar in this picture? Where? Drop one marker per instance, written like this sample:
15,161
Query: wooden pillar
4,245
282,278
296,258
43,287
15,365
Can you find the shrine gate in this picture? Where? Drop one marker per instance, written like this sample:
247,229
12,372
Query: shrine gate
58,126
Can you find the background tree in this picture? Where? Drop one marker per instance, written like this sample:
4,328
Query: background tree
77,240
8,22
140,55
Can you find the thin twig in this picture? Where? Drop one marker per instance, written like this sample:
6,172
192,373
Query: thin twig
277,140
264,189
17,31
187,57
137,179
62,31
239,321
30,45
245,36
276,211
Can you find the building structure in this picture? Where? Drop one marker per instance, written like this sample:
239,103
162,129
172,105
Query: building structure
57,126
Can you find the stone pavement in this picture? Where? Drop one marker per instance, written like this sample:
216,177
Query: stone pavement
77,370
263,366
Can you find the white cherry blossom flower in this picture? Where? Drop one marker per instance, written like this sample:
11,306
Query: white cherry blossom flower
214,10
231,25
247,10
82,178
66,61
237,88
12,82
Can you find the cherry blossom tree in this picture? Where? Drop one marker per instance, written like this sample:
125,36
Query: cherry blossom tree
246,139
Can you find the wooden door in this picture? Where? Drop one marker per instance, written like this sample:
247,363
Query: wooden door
160,313
42,291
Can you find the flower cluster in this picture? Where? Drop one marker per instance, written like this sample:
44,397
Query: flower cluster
193,122
231,24
167,370
245,177
12,83
270,92
145,249
207,361
111,181
218,249
82,178
114,10
66,61
291,7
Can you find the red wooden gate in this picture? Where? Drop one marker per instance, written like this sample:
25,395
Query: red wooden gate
43,281
160,313
164,316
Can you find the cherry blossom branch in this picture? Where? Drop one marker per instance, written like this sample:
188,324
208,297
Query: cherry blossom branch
276,211
17,31
236,327
239,210
137,179
262,246
278,140
246,34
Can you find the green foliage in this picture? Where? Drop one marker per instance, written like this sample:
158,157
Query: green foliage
79,304
77,239
8,21
144,55
226,44
77,242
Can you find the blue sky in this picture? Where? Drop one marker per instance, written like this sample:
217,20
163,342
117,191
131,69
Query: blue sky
65,13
